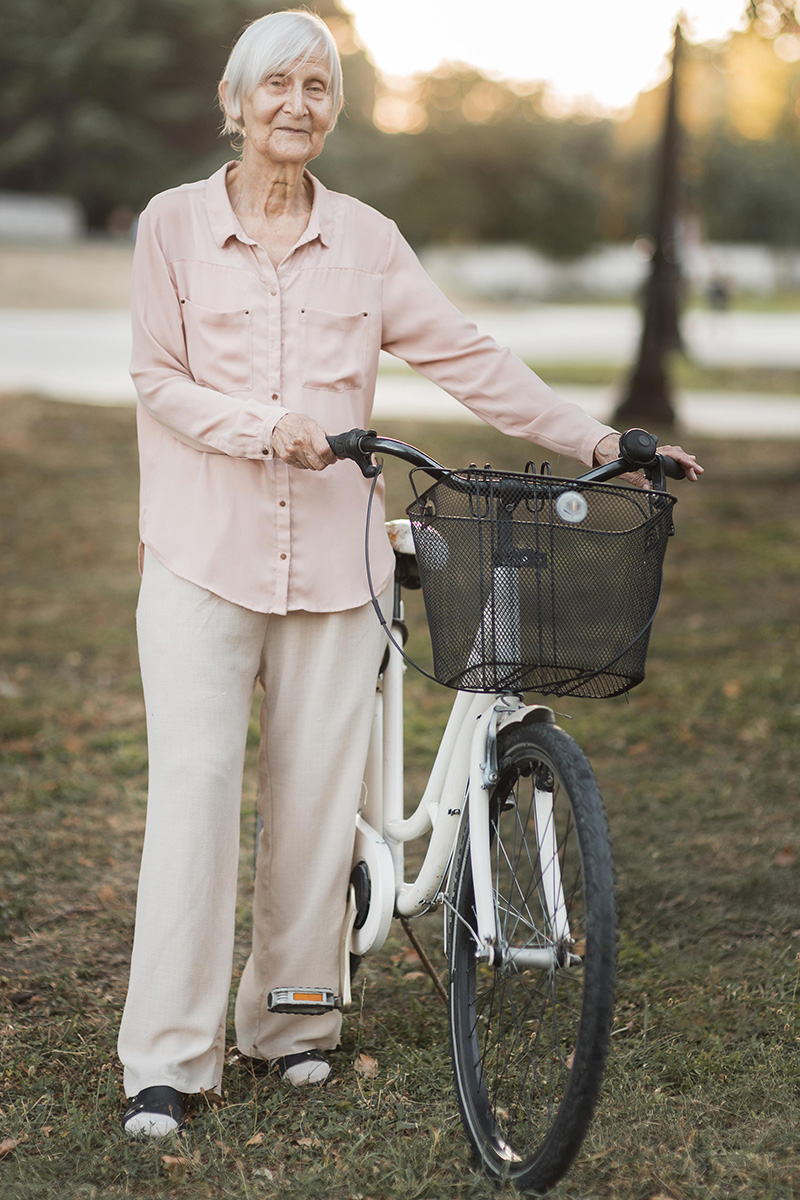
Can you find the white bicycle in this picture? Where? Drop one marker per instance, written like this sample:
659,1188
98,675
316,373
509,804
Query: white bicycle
530,583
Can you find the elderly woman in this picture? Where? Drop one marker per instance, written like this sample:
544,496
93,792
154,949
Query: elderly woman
260,303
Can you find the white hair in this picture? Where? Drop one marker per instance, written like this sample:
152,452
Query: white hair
270,46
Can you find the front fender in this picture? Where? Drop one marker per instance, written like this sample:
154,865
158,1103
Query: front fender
526,714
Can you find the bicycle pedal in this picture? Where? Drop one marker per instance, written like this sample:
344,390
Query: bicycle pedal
307,1001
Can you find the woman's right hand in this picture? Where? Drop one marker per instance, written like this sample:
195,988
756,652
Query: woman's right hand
300,441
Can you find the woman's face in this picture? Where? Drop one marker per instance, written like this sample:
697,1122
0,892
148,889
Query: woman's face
288,116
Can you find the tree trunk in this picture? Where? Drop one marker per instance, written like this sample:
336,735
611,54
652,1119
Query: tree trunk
648,397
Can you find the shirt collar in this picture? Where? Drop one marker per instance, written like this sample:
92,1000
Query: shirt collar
224,223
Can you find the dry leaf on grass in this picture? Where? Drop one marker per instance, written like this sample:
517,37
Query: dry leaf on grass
18,999
255,1140
638,748
407,955
785,857
19,746
174,1162
366,1066
8,1146
106,894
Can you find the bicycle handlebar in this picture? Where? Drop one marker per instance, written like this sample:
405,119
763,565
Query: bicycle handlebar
637,453
360,444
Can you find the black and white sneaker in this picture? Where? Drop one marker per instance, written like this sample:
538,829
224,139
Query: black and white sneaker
155,1112
308,1067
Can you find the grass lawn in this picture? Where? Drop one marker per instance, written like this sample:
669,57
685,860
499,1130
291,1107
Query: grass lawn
685,375
700,770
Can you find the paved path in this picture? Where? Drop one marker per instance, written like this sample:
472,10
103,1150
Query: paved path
80,354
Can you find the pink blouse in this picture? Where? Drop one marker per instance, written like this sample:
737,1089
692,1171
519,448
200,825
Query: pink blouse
225,344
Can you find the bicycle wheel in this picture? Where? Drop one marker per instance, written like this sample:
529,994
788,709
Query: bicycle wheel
529,1043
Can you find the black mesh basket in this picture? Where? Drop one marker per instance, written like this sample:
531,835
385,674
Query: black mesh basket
538,584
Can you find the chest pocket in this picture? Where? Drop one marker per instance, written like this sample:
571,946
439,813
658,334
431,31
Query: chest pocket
219,346
334,349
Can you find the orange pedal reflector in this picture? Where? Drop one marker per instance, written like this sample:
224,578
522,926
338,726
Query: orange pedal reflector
301,1000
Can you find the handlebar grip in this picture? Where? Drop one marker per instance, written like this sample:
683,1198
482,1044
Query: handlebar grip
672,468
348,445
338,444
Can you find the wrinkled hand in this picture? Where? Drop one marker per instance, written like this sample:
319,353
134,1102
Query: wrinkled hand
300,441
688,461
607,449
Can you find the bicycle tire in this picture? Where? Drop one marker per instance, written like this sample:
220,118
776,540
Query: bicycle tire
528,1045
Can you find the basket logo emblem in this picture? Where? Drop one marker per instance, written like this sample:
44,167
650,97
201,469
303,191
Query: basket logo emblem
511,556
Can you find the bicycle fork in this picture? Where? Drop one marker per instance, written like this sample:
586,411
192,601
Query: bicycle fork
492,945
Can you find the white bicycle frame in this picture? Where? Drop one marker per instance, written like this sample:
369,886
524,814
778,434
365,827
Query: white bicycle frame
464,770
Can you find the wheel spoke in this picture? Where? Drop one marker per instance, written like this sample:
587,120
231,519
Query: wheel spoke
529,918
515,1029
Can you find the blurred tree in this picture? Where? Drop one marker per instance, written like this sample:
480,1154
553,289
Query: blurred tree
739,106
483,162
749,191
774,16
111,101
648,395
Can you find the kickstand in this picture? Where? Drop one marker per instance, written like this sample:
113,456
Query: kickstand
426,962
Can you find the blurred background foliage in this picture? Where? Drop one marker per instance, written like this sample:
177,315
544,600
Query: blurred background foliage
110,101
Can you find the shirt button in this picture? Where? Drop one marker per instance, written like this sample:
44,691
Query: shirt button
273,291
282,504
274,395
283,556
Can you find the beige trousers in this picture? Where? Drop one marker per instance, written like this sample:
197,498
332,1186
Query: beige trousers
200,659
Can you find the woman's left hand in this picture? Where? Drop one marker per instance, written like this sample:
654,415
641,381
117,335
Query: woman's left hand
688,461
607,449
